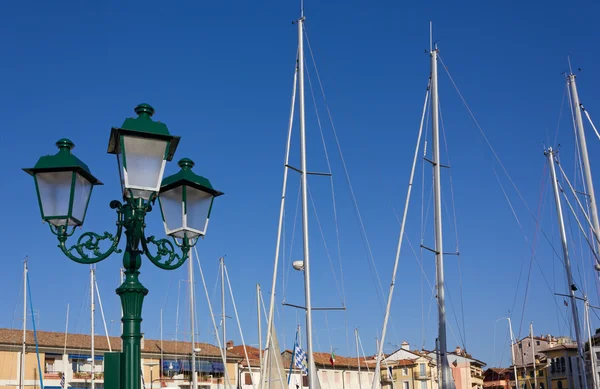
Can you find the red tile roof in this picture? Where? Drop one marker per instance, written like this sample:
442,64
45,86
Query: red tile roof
322,359
46,339
253,354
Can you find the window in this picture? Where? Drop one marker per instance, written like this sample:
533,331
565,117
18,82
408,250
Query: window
423,384
49,365
422,370
338,377
523,374
305,380
531,373
538,343
559,385
247,379
540,373
405,385
598,355
570,366
520,345
405,371
562,364
552,366
542,385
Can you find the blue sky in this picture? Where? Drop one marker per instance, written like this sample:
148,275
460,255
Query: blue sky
220,75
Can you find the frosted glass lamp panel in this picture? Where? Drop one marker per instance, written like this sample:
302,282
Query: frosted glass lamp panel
171,205
198,209
81,196
54,191
144,164
121,171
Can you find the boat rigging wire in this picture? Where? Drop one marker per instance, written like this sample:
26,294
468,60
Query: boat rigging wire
364,237
453,203
212,316
550,289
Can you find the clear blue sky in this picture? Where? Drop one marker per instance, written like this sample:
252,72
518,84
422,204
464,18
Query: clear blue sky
220,75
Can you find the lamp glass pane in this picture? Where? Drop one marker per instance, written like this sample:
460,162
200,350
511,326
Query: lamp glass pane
81,195
54,190
198,206
144,164
121,171
171,204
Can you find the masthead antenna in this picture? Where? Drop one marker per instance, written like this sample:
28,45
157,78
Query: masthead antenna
569,60
430,36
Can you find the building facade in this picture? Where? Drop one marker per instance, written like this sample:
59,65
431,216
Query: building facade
165,363
498,378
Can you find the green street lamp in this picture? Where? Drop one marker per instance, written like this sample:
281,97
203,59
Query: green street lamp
143,147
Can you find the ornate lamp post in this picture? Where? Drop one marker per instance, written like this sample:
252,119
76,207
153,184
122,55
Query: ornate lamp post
64,186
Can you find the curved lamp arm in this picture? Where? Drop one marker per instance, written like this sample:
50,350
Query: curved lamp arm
90,241
166,248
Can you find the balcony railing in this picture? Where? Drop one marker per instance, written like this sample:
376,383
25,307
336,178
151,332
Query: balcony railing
87,376
422,375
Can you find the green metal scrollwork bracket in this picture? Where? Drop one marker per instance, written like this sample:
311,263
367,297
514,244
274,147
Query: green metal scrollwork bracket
90,241
166,248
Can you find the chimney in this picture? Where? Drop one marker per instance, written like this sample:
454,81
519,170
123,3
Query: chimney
142,342
458,351
229,344
405,346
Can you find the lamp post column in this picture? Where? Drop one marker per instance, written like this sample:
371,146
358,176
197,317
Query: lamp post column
132,294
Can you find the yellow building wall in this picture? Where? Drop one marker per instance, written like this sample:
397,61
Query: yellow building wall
9,361
31,365
231,373
155,370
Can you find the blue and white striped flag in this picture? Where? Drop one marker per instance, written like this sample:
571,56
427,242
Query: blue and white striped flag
62,381
300,359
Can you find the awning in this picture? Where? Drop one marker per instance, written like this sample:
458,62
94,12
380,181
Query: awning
86,357
171,364
218,367
202,366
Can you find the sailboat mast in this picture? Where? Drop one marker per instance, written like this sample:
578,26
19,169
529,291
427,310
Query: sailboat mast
312,379
260,356
437,205
533,354
92,327
567,261
512,351
584,154
22,376
192,320
590,343
223,317
161,348
358,358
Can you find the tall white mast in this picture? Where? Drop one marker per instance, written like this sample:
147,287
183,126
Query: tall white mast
437,206
533,354
584,154
258,312
192,320
512,352
590,343
23,350
161,348
567,261
92,327
358,358
223,317
312,378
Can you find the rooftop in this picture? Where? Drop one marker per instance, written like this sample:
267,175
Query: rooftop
13,338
